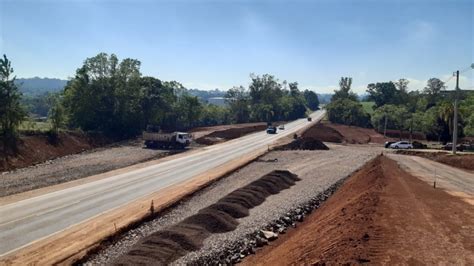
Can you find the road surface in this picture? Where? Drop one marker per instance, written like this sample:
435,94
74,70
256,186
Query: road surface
446,177
31,219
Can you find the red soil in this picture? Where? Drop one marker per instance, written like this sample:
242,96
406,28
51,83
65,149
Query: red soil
36,149
381,215
337,133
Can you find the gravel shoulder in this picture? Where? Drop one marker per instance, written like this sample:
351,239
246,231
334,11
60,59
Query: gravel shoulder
76,166
317,169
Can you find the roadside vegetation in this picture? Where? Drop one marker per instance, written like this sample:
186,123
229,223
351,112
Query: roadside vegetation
390,105
111,97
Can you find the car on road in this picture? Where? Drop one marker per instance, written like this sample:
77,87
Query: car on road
281,127
401,145
271,130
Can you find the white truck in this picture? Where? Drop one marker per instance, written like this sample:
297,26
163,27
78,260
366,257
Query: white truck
174,140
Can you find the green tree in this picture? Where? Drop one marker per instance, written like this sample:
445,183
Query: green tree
11,111
239,103
311,100
105,95
433,89
189,111
344,91
348,112
383,93
56,115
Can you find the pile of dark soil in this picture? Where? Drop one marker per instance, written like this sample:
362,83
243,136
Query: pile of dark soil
228,134
305,143
163,247
324,133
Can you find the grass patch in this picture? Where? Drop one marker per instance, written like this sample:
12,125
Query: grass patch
30,125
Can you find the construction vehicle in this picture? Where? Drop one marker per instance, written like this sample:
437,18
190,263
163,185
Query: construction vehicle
155,138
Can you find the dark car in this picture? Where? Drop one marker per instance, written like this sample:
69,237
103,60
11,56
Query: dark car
388,143
271,130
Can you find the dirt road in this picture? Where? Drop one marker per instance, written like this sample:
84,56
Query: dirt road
381,215
454,180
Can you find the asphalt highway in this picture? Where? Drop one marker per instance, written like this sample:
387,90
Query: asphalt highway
31,219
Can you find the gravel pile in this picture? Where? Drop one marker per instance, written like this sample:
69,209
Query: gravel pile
76,166
318,171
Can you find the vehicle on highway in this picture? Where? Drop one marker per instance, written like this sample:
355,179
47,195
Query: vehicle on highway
309,119
271,130
173,140
401,145
281,127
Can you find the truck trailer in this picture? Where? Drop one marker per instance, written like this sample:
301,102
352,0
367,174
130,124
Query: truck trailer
174,140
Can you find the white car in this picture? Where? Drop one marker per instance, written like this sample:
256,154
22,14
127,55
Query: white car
281,127
401,145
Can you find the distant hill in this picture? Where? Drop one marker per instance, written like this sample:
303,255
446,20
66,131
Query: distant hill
36,85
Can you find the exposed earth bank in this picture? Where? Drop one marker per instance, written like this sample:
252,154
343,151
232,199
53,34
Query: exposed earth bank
381,215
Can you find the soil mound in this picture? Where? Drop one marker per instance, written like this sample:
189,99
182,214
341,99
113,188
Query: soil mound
380,214
163,247
228,134
305,143
324,133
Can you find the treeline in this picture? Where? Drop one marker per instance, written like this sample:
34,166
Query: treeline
112,96
429,111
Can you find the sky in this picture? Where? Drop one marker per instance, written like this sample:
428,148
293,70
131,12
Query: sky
217,44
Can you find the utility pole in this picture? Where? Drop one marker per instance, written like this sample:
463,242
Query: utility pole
385,127
455,120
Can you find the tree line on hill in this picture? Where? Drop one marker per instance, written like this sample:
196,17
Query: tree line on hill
113,97
429,111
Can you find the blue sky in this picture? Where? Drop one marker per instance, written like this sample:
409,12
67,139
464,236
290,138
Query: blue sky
217,44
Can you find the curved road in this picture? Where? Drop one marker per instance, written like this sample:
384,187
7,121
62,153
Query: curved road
28,220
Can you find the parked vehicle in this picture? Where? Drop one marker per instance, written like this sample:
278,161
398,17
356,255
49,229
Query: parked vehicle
401,145
281,127
174,140
459,147
271,130
309,119
388,143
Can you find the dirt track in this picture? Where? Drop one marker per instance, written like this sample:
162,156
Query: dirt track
382,215
450,178
464,161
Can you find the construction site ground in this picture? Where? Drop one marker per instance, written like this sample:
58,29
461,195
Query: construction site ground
381,215
315,168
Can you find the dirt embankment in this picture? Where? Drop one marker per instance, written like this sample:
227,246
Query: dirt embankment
337,133
38,148
163,247
463,161
304,143
222,135
381,215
